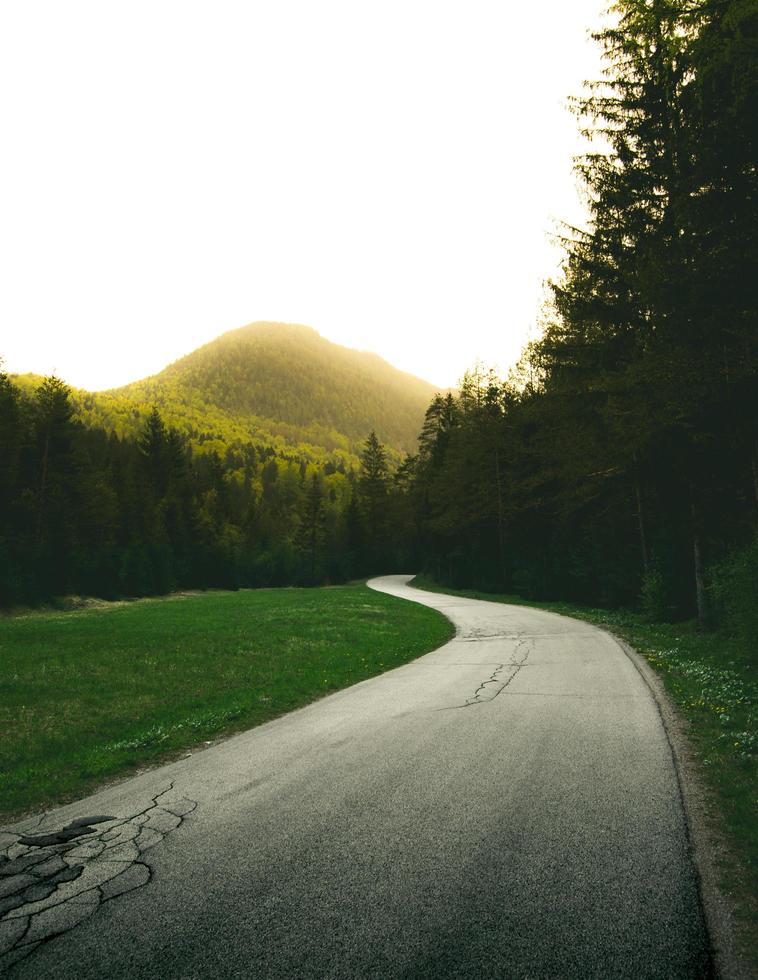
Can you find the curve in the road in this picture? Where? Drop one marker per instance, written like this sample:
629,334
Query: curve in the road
506,806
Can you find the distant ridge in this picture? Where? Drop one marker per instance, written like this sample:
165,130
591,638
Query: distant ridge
275,384
289,375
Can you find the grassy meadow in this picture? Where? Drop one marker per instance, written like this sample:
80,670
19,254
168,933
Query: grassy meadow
86,695
711,679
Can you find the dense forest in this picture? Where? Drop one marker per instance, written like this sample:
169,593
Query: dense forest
83,510
617,465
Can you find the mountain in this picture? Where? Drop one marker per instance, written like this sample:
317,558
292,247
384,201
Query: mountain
274,384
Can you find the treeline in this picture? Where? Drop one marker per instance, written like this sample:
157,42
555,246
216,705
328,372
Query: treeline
276,385
83,511
619,465
204,425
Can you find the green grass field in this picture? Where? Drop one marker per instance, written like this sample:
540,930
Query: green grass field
712,681
86,695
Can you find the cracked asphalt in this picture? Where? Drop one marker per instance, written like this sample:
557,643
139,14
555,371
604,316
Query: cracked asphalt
506,806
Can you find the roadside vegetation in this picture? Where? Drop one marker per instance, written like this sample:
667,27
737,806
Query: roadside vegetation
88,695
711,679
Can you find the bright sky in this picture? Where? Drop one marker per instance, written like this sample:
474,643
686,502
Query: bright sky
386,171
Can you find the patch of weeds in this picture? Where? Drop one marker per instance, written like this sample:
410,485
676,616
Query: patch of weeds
208,723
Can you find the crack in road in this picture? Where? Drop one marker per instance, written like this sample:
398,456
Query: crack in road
50,882
489,689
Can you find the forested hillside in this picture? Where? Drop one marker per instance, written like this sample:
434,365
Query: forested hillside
277,385
298,383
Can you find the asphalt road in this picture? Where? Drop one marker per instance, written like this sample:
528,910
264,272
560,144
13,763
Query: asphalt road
506,806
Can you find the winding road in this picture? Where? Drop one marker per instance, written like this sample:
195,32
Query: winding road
506,806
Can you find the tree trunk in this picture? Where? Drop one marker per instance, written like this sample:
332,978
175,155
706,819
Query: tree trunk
640,515
699,583
697,556
313,556
500,534
42,489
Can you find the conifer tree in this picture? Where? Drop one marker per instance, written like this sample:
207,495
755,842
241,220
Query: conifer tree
622,360
53,428
11,436
372,491
312,529
153,446
11,439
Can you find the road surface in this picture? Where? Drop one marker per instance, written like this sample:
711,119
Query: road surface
506,806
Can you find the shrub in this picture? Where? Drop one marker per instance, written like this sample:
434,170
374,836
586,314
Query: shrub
734,589
654,596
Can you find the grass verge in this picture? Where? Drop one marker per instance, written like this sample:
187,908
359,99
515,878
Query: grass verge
91,694
711,679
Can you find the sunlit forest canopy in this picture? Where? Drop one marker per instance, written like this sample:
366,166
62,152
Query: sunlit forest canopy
277,385
288,373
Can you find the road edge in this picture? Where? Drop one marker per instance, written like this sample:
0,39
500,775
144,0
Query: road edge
706,843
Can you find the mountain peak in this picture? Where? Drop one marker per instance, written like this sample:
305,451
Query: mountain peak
286,376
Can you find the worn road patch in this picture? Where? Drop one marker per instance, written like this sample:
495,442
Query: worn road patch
51,881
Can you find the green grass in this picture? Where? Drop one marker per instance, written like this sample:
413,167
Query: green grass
712,681
87,695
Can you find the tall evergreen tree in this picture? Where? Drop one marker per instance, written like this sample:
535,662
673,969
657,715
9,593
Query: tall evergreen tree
11,438
372,487
153,445
56,483
312,530
629,343
11,441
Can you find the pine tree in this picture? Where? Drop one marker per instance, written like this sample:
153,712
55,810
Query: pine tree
622,359
372,489
153,445
11,437
11,440
312,530
372,483
54,433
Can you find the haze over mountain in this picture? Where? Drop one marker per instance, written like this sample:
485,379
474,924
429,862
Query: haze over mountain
276,384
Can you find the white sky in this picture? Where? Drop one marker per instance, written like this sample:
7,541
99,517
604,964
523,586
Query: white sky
386,171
